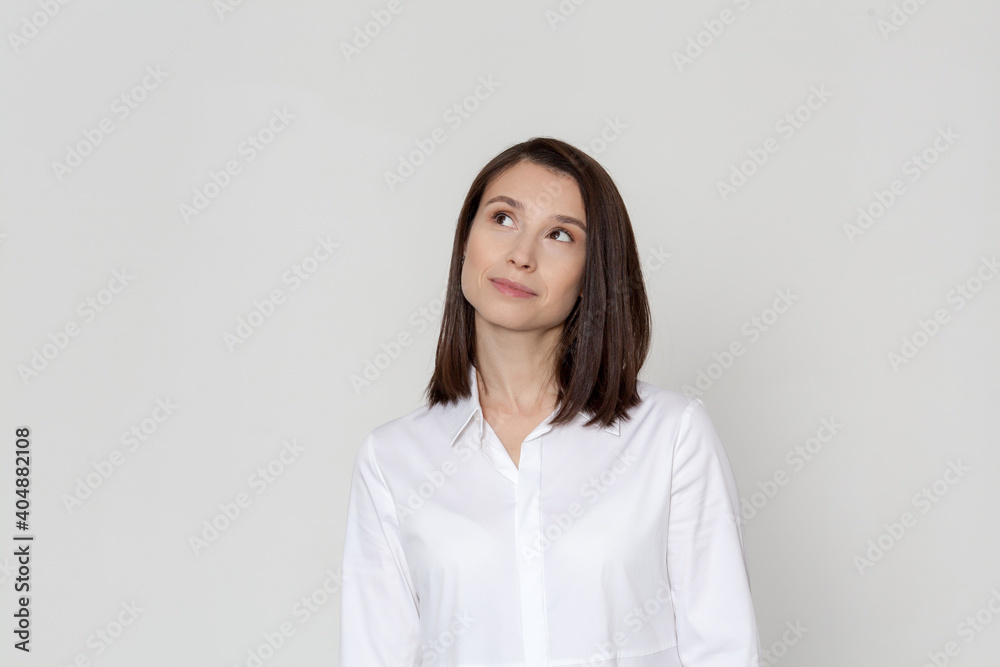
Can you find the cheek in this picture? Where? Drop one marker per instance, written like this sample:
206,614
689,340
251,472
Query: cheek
477,247
576,267
569,279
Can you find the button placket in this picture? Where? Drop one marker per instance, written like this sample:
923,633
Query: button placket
494,452
529,559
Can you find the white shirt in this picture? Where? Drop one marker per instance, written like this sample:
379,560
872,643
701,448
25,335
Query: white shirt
614,547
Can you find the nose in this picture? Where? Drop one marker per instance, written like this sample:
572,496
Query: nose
522,253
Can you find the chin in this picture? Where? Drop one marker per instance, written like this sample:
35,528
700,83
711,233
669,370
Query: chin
504,318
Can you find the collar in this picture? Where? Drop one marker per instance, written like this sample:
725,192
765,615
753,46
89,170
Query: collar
468,410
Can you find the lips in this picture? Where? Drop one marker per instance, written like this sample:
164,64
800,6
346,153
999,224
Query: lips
511,288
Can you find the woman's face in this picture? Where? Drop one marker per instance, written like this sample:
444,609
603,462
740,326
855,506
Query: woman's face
530,229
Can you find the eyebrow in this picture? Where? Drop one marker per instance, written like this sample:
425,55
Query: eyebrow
513,203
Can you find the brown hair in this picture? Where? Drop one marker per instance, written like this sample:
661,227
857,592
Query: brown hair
606,336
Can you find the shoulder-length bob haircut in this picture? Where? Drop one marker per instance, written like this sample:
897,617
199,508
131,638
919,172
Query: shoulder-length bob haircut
606,336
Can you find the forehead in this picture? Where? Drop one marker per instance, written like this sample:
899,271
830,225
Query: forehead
532,184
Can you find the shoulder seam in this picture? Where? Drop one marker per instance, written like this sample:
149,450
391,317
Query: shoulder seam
381,478
693,402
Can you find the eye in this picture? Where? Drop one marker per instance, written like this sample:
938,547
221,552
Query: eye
503,214
563,231
499,214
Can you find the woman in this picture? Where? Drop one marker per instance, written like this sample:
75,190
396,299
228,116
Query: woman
545,507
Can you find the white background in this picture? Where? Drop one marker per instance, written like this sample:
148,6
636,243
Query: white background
712,262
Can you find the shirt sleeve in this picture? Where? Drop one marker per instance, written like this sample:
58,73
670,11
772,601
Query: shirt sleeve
706,557
379,621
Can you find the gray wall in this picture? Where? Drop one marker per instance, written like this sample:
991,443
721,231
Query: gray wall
861,419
